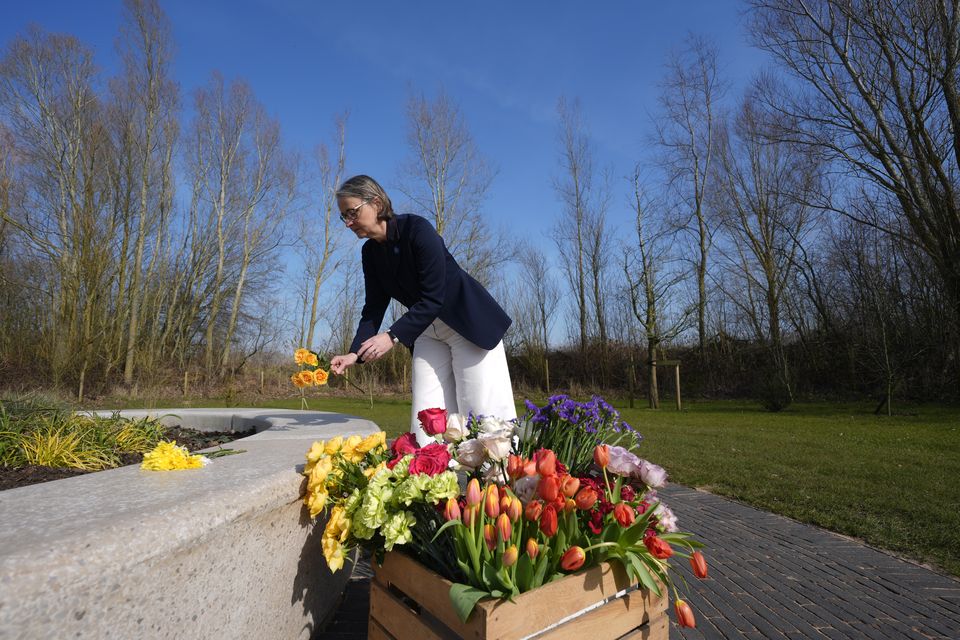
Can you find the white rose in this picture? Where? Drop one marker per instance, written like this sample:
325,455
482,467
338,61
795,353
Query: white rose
498,443
471,454
490,424
455,428
495,474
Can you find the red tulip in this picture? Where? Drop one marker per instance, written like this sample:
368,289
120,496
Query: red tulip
658,548
452,510
530,468
474,495
548,488
515,509
533,510
569,486
491,503
504,528
684,614
490,536
624,514
510,556
533,549
548,521
699,564
586,498
601,455
572,559
546,462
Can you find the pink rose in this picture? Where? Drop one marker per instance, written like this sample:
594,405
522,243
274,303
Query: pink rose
433,421
431,459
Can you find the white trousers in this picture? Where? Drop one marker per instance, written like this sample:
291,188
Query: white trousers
452,373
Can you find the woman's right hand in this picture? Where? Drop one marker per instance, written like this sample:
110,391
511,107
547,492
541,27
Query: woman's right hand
339,364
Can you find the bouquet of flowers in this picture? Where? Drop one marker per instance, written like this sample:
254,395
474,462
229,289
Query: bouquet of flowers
314,371
496,512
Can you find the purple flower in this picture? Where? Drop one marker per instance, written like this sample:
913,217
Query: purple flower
654,476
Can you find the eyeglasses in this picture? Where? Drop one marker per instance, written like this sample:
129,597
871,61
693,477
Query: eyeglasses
350,215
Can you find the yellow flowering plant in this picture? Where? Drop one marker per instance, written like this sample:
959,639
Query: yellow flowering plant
314,372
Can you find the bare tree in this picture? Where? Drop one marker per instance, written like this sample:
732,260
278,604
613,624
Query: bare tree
763,205
652,278
687,136
321,233
880,93
532,305
447,179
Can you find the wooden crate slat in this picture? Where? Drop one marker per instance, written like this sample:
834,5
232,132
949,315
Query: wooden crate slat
615,618
657,629
428,589
376,632
397,618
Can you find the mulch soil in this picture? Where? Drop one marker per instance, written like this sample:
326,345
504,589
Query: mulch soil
12,477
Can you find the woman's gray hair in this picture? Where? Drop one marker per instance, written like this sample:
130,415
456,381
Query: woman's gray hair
366,188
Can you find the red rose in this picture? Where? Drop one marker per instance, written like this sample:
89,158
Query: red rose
433,421
658,548
404,445
431,459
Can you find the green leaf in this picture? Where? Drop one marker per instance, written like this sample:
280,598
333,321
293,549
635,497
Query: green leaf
644,573
541,568
464,598
446,525
524,572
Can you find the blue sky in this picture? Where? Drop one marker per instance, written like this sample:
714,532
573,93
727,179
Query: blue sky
505,63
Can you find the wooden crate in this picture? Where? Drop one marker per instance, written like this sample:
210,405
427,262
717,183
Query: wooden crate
407,600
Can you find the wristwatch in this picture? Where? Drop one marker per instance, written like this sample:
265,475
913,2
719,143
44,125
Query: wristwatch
392,336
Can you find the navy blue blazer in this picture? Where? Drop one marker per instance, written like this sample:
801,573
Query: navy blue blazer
414,267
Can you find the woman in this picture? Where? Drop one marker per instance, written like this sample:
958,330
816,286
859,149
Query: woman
453,325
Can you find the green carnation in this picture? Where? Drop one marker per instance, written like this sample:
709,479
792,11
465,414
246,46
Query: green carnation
396,530
442,486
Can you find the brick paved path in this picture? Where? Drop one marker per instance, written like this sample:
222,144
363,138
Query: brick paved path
771,577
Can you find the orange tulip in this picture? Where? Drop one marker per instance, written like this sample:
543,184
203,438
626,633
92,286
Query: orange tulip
548,521
473,492
510,556
504,528
586,498
548,488
699,564
684,614
491,504
504,503
515,465
515,509
530,468
470,515
624,514
570,505
601,456
569,486
533,549
658,548
452,510
572,559
546,462
490,536
533,510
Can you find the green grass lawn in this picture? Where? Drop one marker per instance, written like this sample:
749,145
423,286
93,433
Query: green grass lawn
891,481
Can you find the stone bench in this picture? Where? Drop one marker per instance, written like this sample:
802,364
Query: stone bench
223,551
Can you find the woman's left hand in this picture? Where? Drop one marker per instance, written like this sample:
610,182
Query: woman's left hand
374,348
